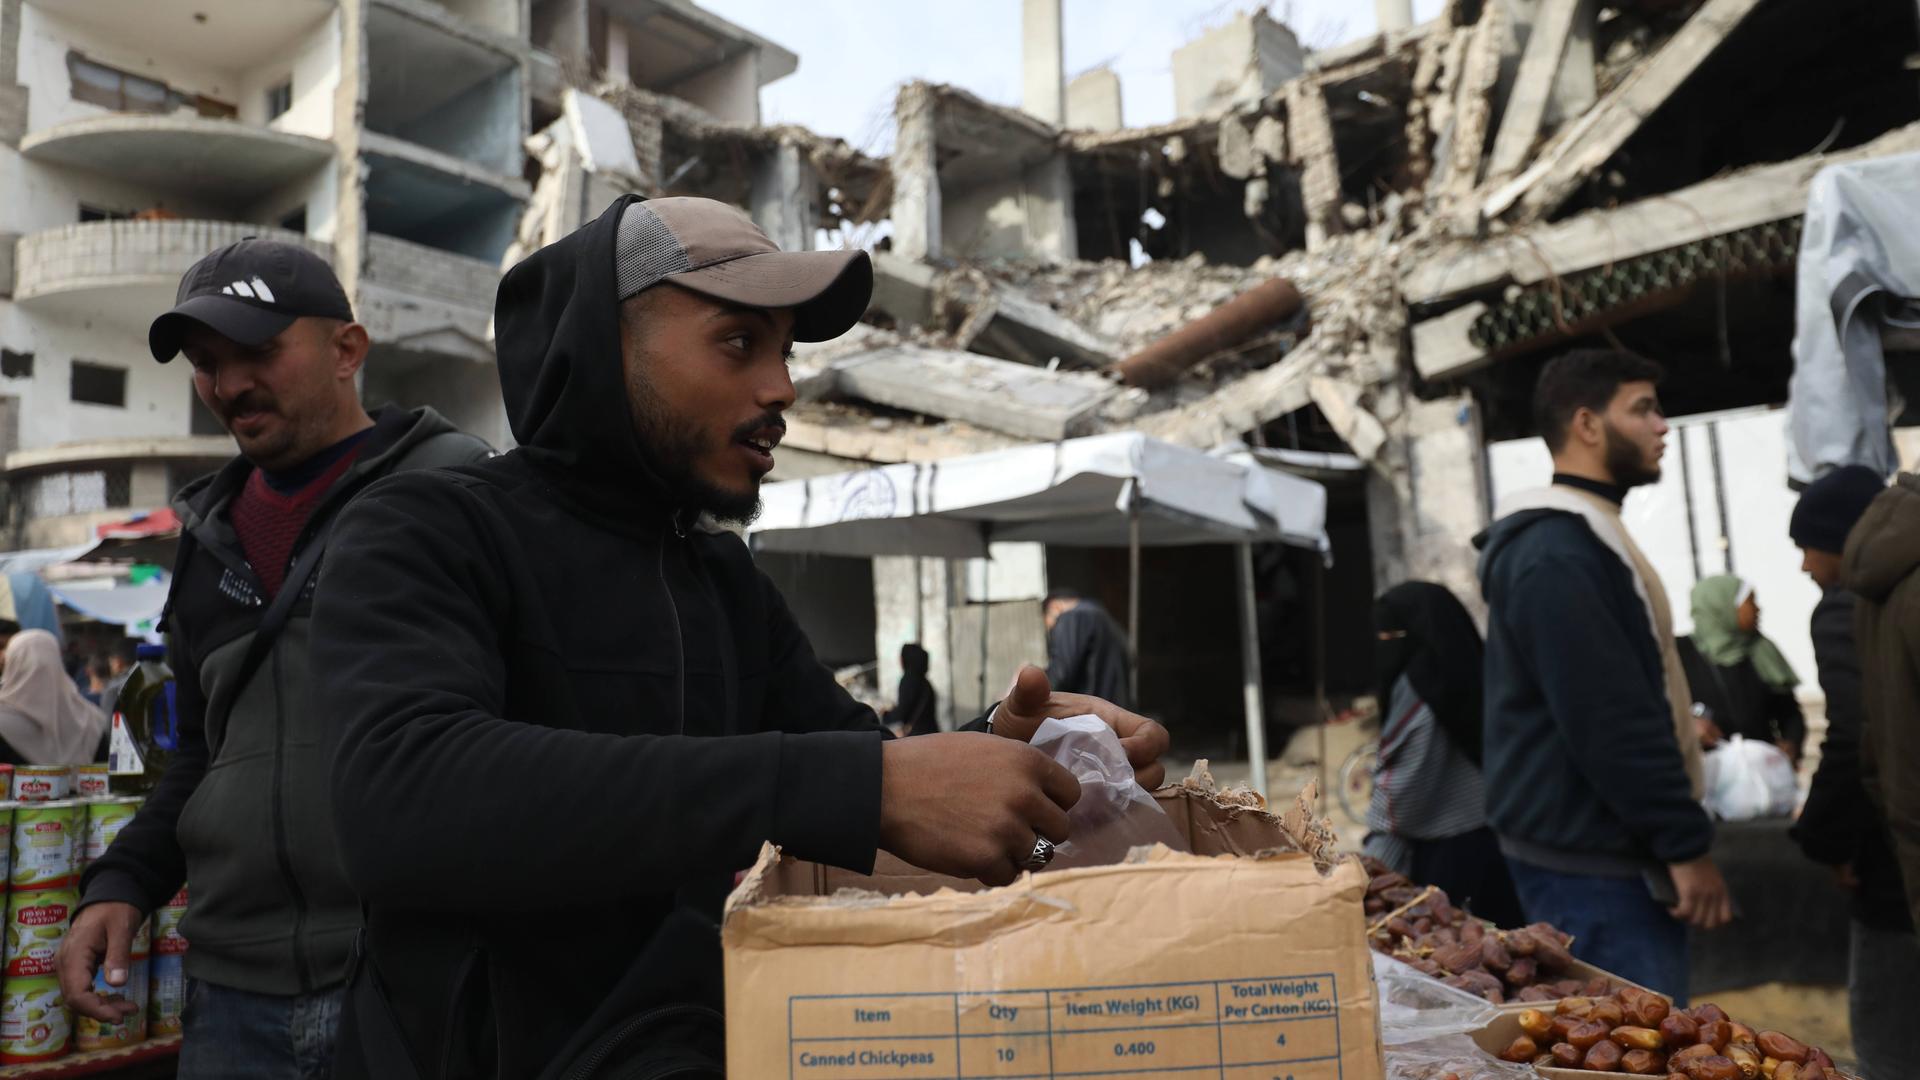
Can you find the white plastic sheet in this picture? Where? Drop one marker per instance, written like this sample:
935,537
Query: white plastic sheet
1115,814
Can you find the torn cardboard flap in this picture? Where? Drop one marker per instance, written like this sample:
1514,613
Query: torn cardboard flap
1247,956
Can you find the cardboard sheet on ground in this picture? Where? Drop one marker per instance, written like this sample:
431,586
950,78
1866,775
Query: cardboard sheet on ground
1245,959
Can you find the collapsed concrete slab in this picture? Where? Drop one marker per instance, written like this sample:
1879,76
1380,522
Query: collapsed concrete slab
998,395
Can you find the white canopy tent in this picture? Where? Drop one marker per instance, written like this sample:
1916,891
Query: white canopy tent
1121,490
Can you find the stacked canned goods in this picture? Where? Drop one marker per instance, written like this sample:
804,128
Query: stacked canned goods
59,819
169,983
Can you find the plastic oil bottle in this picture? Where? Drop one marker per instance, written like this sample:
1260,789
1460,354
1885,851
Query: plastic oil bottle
146,725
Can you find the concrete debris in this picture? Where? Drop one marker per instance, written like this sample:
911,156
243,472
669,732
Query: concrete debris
998,395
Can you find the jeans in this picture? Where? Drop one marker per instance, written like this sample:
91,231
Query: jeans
237,1035
1615,922
1883,985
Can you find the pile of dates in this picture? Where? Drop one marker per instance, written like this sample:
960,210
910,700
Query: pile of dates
1640,1033
1434,936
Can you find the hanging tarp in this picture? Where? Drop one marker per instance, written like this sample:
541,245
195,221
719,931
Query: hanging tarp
1859,266
1079,492
123,604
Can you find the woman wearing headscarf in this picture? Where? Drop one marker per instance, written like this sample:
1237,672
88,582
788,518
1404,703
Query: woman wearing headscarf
1741,684
1428,817
915,708
44,720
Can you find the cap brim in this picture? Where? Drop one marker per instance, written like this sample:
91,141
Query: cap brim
827,290
233,319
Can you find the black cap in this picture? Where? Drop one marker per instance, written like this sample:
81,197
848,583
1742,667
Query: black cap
249,291
1831,506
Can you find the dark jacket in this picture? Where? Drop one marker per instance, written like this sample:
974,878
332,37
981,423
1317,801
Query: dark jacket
1087,654
1883,551
567,717
1583,772
242,807
1742,702
1839,825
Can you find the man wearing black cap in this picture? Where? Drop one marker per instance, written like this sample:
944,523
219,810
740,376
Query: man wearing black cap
1839,826
242,808
570,709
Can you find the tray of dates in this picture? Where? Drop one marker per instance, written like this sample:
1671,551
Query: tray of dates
1511,968
1636,1032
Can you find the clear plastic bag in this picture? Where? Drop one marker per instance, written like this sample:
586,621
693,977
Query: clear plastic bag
1115,814
1450,1057
1415,1006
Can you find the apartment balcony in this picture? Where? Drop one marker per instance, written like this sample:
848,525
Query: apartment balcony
211,160
412,295
59,494
207,32
124,272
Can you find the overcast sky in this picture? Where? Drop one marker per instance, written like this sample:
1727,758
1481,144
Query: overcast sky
855,54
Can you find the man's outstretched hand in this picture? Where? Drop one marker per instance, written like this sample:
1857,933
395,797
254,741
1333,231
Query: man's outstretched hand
966,804
1032,701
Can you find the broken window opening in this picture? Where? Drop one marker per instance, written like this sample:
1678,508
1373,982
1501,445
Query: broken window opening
123,91
280,99
98,384
16,365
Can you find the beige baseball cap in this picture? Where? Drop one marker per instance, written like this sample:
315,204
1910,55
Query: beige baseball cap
716,250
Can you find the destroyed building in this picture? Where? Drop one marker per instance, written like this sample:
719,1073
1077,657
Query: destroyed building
1451,203
390,136
1355,259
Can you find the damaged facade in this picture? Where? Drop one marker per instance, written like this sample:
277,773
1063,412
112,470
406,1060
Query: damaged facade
1356,258
1453,203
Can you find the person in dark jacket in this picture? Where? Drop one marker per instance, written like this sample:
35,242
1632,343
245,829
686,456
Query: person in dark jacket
1086,649
1593,774
242,808
1839,827
1428,818
1741,683
568,707
916,707
1881,567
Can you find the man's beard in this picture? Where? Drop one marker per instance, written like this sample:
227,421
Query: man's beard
671,446
1626,462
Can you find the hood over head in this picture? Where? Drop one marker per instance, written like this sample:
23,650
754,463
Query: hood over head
1885,546
557,329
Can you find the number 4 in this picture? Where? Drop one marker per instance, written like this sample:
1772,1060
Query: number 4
1282,1040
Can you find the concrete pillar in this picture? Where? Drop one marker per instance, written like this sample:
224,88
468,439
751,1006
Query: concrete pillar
1427,493
1043,82
619,61
912,598
147,485
784,190
349,105
1047,192
1093,101
13,97
916,174
1393,14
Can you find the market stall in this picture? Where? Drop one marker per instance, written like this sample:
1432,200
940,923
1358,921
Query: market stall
1122,490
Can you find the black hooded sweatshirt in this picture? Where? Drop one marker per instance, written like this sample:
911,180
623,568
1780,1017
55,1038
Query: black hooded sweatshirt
566,717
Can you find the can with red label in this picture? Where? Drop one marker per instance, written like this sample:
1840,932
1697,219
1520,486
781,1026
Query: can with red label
49,839
34,1023
166,926
42,783
36,922
90,781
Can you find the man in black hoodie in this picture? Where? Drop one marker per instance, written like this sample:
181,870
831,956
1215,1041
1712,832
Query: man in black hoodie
570,711
242,807
1590,755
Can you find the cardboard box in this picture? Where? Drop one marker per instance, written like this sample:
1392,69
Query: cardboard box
1243,960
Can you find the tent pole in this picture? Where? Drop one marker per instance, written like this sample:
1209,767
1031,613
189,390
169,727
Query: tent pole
1250,668
1133,606
1320,664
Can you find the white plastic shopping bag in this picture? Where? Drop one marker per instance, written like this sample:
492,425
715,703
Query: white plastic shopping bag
1114,813
1748,779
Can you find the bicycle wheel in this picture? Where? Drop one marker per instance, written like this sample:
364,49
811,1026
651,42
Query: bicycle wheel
1355,790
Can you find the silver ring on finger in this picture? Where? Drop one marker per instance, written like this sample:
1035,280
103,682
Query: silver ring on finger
1041,856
